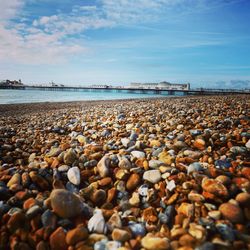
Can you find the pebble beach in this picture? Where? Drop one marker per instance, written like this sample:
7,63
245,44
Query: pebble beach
153,174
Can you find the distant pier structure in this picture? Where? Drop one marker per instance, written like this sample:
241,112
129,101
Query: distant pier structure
162,88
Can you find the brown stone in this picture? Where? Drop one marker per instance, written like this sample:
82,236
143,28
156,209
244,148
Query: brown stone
17,220
120,235
77,234
133,181
65,204
231,212
243,199
57,240
214,187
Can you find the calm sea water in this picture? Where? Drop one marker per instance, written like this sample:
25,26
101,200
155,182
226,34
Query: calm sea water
31,96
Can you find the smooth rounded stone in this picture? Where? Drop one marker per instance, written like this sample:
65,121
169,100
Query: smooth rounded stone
137,229
192,154
120,235
155,163
121,174
133,181
152,176
54,152
90,164
195,132
243,199
194,167
39,180
135,199
49,219
103,166
124,163
17,220
226,231
216,214
193,196
74,175
15,179
187,240
114,221
70,156
63,168
111,245
34,165
231,212
57,240
33,211
165,157
214,187
65,204
186,209
199,144
77,234
97,223
98,196
82,139
138,154
125,142
143,190
197,231
155,243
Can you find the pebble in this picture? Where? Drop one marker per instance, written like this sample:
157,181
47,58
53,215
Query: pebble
214,187
70,157
57,240
120,235
138,154
77,234
74,175
152,176
97,222
65,204
133,181
155,243
103,166
231,212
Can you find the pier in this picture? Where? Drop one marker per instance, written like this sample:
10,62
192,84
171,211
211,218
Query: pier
198,91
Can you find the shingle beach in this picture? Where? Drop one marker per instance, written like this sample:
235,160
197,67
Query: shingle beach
152,174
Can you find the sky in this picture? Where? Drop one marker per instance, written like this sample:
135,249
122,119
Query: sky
82,42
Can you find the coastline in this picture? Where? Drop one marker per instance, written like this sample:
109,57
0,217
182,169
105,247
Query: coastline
26,108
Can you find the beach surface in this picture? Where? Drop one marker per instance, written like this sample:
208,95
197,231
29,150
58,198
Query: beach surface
167,173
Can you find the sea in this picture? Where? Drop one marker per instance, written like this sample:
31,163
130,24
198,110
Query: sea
13,96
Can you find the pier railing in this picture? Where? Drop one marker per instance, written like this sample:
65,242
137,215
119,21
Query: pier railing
173,91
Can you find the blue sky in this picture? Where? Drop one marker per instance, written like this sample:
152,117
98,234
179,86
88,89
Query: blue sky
204,42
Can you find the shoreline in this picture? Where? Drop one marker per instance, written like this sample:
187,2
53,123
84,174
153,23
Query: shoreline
15,108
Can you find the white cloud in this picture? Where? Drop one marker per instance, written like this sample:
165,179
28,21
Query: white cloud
50,38
9,8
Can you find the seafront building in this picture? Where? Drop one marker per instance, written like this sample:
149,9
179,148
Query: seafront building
161,85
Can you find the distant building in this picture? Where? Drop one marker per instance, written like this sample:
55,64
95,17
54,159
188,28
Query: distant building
11,83
161,85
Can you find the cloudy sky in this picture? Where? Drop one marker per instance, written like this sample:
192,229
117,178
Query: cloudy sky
204,42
